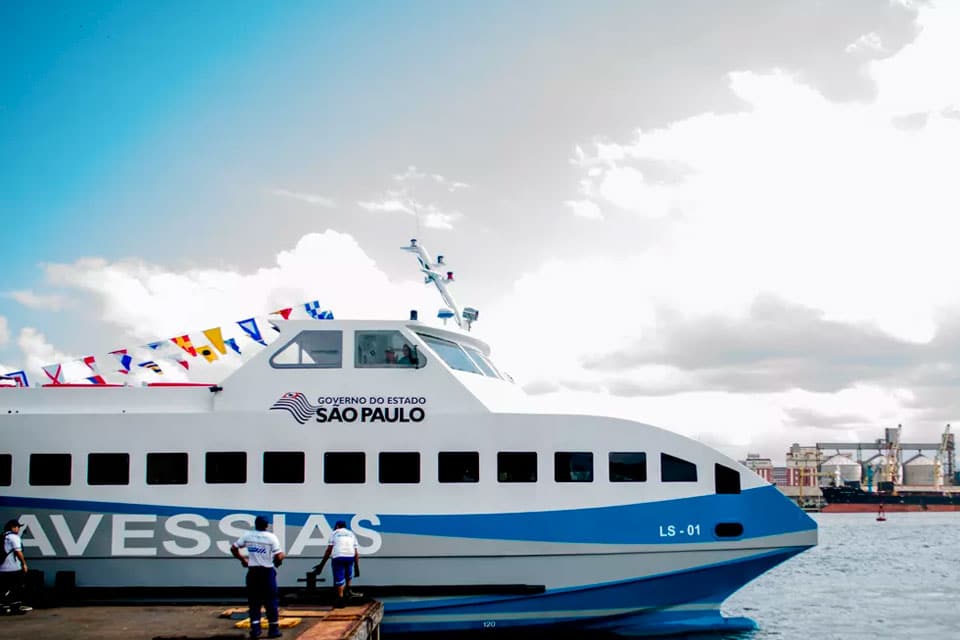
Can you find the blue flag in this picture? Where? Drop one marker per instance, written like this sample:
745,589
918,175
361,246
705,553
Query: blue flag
249,326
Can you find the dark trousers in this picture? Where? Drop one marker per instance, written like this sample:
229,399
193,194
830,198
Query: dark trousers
11,587
262,592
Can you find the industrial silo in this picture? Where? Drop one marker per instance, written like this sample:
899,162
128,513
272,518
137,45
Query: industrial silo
918,470
840,466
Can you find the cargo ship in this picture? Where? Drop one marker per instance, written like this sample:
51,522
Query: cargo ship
853,499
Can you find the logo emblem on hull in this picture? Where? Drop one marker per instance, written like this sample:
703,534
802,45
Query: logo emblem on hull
296,404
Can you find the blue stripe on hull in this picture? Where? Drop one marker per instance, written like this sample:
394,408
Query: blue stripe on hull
678,602
763,511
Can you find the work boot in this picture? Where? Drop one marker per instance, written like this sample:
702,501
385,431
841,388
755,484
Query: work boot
255,629
274,631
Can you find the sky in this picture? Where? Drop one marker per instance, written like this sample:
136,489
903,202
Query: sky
733,220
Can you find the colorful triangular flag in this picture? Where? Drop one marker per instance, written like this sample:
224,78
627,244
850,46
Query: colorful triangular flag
249,326
207,352
20,377
284,313
54,372
153,346
96,380
153,366
124,359
91,362
313,309
184,343
184,364
230,342
215,336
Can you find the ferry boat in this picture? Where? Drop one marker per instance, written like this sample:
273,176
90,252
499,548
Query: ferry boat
474,510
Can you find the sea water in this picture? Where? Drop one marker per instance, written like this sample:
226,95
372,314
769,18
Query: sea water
865,579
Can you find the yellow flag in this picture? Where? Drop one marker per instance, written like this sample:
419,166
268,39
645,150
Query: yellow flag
216,339
207,352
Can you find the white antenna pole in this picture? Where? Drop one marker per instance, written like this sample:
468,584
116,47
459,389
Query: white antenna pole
427,266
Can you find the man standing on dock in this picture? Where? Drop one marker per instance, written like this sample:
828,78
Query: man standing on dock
13,569
263,554
346,559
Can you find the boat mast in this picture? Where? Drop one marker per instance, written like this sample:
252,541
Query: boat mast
440,279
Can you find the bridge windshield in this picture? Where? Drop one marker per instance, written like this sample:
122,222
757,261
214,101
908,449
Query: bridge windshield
462,357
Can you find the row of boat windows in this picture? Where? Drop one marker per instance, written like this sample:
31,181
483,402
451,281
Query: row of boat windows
320,349
349,467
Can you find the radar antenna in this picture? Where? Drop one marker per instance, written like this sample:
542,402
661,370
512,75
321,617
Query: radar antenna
440,279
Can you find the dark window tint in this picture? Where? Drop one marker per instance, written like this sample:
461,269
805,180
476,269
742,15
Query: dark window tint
458,466
729,530
166,468
673,469
344,468
226,467
50,469
108,468
399,467
728,480
517,466
627,466
6,469
283,467
573,467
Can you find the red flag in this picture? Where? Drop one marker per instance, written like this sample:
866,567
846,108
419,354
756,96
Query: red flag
285,313
184,343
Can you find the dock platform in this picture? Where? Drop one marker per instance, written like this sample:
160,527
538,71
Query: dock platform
191,622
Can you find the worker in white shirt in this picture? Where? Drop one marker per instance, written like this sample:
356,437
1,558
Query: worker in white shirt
345,551
263,555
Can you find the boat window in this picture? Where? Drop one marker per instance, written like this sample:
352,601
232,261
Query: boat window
283,467
573,467
627,466
451,353
727,479
6,470
386,349
458,466
166,468
517,466
673,469
481,362
311,350
226,467
344,467
401,467
50,469
108,468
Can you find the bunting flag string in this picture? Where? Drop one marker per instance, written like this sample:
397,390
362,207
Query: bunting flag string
162,350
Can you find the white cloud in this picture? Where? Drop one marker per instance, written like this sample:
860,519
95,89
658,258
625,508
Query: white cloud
37,301
826,205
4,331
430,215
585,209
37,352
412,174
389,205
867,43
309,198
